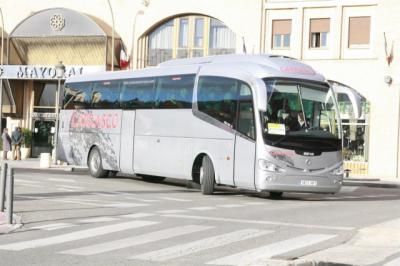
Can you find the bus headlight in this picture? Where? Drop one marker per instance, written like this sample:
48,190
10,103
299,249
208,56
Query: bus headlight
268,166
339,171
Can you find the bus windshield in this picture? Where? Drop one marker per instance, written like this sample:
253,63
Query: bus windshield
301,116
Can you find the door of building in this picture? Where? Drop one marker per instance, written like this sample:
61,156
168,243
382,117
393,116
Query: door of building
43,134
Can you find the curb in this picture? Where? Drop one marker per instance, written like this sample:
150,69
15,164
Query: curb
8,228
379,184
77,170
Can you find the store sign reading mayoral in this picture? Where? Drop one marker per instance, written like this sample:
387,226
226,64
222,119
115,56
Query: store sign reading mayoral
44,72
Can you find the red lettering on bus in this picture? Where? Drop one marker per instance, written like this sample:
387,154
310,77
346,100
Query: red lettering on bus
90,120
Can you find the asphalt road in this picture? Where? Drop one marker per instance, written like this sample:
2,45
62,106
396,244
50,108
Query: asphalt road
74,219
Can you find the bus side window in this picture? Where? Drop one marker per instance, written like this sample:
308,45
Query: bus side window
137,93
175,92
105,95
77,95
217,97
246,124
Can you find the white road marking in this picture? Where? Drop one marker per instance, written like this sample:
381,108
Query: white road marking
18,180
62,180
205,208
255,203
51,227
124,205
253,256
103,194
142,200
348,189
175,199
199,245
137,215
98,220
32,185
230,206
171,211
137,240
66,189
344,228
71,187
83,234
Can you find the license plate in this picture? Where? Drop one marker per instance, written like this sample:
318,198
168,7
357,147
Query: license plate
310,183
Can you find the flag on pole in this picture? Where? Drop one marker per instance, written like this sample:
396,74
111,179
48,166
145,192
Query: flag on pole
123,59
244,46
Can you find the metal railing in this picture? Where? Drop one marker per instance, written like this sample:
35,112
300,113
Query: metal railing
7,191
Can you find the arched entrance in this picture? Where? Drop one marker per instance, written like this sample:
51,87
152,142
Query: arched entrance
185,36
36,45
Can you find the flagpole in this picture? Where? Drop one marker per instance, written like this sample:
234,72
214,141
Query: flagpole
112,36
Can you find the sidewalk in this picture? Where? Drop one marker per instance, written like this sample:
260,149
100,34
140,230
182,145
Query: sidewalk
34,163
6,228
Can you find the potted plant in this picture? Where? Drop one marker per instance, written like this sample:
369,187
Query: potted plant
26,144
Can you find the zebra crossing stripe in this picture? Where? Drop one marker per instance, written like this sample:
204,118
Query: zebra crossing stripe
83,234
98,220
199,245
253,256
137,240
50,227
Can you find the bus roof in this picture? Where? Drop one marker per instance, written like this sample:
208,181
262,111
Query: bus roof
260,66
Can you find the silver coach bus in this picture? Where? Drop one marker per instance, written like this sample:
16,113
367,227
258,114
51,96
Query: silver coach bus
255,122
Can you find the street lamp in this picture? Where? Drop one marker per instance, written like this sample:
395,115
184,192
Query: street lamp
60,71
139,12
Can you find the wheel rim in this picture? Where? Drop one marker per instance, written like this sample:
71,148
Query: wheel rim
201,175
95,161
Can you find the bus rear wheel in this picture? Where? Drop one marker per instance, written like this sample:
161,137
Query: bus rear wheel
95,165
275,195
207,176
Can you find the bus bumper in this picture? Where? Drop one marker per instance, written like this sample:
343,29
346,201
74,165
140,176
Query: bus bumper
297,183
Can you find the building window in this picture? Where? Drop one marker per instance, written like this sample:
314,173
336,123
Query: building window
319,32
281,30
187,36
222,39
161,43
359,31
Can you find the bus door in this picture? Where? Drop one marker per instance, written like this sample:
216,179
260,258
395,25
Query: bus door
127,137
245,144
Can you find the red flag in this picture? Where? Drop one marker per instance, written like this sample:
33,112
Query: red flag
123,60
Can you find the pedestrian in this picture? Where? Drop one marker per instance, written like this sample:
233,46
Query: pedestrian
16,141
6,143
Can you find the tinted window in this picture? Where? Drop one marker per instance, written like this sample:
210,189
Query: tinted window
217,97
246,124
77,95
138,93
175,92
105,94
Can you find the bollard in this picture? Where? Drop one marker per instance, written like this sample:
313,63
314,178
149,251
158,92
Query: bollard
3,185
10,195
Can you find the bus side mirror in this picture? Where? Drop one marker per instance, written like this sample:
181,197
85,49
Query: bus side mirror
261,96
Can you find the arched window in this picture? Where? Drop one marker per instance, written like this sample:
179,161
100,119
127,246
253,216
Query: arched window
186,36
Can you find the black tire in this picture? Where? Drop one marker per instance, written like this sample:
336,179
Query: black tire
95,165
152,178
207,176
112,173
275,195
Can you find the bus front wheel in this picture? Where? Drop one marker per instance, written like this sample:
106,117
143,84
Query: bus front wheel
207,174
95,165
